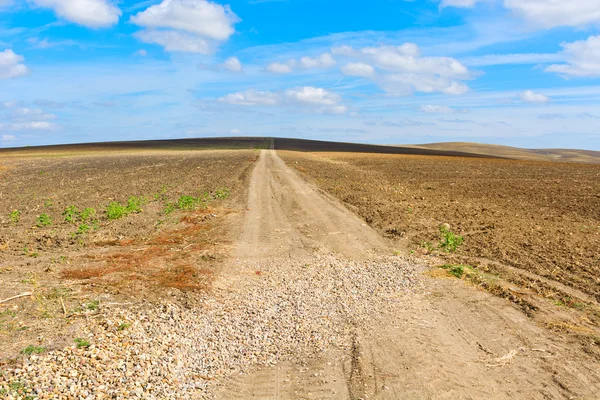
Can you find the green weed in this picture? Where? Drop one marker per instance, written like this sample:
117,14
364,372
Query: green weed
169,208
93,305
15,216
82,230
187,203
71,214
123,326
87,214
82,343
44,220
115,211
31,349
222,193
456,270
450,242
134,205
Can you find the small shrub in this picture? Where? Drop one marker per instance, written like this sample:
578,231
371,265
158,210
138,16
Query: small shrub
115,211
450,241
15,216
222,193
31,349
82,343
71,214
44,220
87,214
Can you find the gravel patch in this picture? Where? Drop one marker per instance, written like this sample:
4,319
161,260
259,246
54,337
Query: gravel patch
274,310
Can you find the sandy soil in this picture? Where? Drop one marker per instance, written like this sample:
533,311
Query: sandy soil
451,341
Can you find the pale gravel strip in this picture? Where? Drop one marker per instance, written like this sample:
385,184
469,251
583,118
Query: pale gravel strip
293,308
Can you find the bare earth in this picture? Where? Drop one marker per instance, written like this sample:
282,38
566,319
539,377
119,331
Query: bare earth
300,299
450,341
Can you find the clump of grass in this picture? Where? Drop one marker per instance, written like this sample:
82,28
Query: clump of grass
222,193
44,220
450,242
71,214
31,349
15,216
82,343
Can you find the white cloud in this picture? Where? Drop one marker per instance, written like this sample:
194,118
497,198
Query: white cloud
358,69
7,138
436,109
47,44
90,13
235,131
11,65
6,3
503,59
459,3
233,64
33,125
251,98
308,97
343,50
279,68
200,24
553,13
583,58
141,53
406,70
325,60
532,97
177,41
22,113
320,98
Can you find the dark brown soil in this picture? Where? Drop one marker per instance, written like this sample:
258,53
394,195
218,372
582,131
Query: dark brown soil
536,224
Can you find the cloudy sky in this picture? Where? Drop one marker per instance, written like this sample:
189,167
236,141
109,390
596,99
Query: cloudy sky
515,72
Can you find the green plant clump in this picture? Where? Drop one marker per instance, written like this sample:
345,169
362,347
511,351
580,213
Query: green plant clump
15,216
456,270
450,241
93,305
115,211
82,230
82,343
71,214
222,193
87,214
169,208
44,220
187,202
31,349
134,205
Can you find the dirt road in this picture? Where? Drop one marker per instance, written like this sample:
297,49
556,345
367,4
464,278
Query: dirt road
444,341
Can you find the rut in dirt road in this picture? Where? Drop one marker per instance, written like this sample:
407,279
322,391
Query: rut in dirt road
387,341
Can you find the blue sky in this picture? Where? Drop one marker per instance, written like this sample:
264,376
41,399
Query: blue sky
515,72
